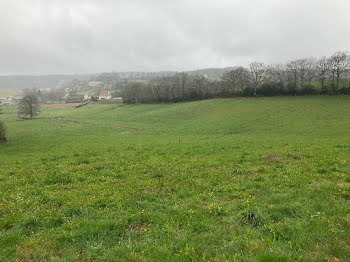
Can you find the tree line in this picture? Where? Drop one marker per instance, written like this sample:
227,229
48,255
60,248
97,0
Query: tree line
306,76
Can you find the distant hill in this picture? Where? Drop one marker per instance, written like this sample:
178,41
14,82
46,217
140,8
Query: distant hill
212,73
20,82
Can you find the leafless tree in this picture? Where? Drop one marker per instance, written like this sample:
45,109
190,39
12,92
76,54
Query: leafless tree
340,63
199,84
322,67
293,75
301,64
229,80
183,79
257,73
277,73
310,70
180,85
242,78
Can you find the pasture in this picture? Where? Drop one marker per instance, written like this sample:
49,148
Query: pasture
243,179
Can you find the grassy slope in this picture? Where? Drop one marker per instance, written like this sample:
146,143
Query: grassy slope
246,179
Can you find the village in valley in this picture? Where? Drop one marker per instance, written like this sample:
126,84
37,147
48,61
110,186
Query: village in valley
67,92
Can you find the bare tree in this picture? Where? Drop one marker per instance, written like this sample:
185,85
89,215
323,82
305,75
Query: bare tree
301,65
242,77
310,64
292,74
277,73
257,73
340,64
183,79
322,67
156,88
180,85
229,78
29,105
199,84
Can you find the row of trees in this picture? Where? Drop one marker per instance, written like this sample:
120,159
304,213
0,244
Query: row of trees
297,77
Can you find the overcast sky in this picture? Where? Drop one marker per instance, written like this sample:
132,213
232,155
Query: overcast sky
61,36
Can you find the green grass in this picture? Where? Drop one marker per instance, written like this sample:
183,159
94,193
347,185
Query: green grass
244,179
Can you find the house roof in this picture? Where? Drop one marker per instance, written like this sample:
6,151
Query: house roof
105,93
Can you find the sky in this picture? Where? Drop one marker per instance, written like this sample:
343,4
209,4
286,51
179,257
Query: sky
94,36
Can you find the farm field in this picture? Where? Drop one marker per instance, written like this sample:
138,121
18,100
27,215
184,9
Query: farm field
243,179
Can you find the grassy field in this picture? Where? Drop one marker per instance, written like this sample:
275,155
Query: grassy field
246,179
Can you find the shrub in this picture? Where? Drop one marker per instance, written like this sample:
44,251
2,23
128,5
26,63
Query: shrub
269,89
248,91
307,90
2,133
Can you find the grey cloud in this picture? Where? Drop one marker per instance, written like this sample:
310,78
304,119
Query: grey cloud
61,36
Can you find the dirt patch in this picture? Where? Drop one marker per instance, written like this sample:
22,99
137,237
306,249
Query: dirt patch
59,105
141,227
271,158
294,156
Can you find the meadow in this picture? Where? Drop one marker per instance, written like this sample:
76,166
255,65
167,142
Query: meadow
241,179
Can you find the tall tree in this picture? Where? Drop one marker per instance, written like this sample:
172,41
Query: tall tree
293,75
301,65
257,72
29,105
229,78
310,64
242,78
277,73
340,63
322,68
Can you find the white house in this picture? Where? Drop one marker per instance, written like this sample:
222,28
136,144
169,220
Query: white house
105,95
87,97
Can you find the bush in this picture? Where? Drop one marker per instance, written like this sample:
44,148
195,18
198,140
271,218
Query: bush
307,90
248,91
2,133
269,89
345,90
325,90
